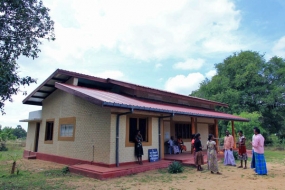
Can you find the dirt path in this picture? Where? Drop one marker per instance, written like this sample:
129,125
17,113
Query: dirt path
232,178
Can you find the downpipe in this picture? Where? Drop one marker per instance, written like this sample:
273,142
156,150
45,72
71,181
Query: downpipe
117,134
159,134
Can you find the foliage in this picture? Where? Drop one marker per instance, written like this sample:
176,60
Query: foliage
249,83
247,127
235,153
19,132
9,133
3,146
65,170
23,23
175,167
276,142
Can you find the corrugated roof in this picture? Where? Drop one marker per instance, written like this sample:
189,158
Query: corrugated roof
110,99
47,88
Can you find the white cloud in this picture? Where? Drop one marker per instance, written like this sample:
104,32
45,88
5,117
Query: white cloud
144,29
211,73
279,47
184,84
189,64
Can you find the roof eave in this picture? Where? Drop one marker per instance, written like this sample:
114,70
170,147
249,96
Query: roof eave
108,104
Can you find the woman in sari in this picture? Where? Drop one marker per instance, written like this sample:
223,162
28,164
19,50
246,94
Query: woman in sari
138,147
199,159
242,155
212,155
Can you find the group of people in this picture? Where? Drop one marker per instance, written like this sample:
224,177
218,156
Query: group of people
258,162
211,153
175,147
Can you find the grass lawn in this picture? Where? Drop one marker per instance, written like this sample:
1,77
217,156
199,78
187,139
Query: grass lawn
26,179
51,177
274,156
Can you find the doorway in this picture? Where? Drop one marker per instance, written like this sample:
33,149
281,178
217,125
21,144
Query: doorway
37,137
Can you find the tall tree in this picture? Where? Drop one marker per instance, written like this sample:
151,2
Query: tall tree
23,23
19,132
248,83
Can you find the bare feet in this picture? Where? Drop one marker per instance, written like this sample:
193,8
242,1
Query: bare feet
219,173
240,167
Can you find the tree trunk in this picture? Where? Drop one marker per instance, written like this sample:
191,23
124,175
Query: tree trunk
13,167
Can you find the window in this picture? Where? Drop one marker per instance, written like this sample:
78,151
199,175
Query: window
66,129
183,130
138,124
141,123
49,132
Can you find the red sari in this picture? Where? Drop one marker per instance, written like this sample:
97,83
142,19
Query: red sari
242,149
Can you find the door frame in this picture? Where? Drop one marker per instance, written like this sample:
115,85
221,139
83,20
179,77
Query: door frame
37,134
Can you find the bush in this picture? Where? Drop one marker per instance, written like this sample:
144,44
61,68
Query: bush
276,142
175,167
65,170
3,146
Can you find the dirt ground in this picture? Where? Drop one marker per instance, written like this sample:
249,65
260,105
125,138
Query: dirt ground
232,178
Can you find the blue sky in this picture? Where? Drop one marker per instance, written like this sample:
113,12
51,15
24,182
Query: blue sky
169,45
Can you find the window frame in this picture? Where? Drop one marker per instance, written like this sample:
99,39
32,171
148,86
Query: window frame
183,123
149,130
49,141
67,121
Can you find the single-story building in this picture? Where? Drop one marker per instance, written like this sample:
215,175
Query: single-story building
89,119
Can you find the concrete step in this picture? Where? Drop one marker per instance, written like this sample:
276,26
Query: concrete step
30,157
101,173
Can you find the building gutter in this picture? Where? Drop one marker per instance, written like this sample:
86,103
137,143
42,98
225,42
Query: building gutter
117,134
159,134
125,106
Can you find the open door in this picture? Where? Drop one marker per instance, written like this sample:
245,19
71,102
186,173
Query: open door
37,137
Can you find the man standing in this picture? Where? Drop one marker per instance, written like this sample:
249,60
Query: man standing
258,146
228,147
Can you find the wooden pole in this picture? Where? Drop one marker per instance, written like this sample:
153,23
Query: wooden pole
234,134
193,131
193,128
217,134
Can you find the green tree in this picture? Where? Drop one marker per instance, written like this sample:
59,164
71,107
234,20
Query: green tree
249,83
247,127
19,132
7,134
23,23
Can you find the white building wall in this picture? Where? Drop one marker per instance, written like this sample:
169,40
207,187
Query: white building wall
204,132
127,154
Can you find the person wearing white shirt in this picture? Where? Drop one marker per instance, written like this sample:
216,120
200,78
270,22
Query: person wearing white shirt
170,144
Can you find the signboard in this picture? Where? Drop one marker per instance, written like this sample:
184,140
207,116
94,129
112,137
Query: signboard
153,155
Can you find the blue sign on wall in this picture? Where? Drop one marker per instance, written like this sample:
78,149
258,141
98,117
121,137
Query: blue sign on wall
152,155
